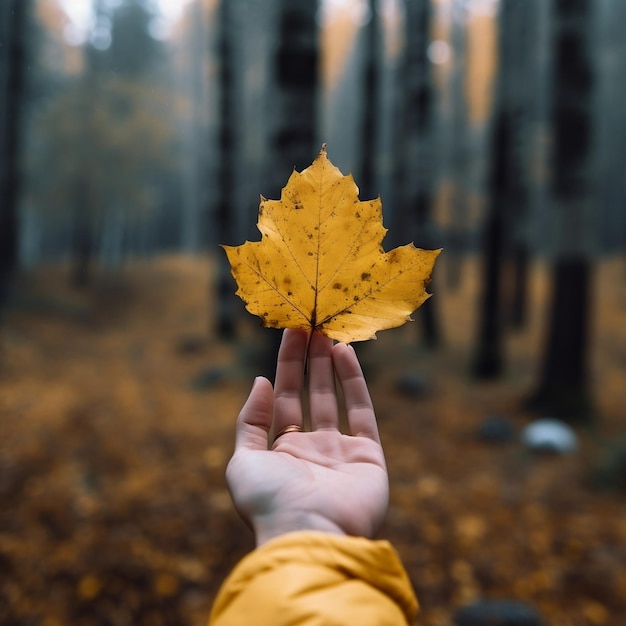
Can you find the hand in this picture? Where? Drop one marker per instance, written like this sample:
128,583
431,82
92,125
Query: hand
319,480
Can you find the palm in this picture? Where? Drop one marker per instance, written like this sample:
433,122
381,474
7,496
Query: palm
343,479
322,478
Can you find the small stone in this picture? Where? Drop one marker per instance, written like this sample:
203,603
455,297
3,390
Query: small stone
497,613
413,385
191,345
208,378
496,429
550,435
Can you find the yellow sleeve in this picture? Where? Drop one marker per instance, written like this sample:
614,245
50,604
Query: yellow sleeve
315,579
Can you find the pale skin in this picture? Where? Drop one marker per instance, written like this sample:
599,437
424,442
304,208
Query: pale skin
320,480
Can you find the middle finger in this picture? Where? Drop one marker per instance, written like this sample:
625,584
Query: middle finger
322,390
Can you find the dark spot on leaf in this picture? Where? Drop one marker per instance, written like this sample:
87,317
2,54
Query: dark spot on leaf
309,254
358,215
337,286
365,276
356,298
287,280
290,293
345,290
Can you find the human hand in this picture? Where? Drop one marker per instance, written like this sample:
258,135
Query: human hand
319,480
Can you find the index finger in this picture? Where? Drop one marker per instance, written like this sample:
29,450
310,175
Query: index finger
359,407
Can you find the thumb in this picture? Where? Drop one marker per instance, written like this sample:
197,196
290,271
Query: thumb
255,418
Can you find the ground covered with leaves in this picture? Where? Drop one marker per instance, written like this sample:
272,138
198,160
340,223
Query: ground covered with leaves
117,409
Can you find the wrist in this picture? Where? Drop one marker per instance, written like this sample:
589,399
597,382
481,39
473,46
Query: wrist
268,527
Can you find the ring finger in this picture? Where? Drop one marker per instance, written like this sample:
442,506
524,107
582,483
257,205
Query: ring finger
289,378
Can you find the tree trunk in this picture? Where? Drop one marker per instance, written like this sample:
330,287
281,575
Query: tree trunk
294,125
13,14
86,193
507,170
194,215
414,207
521,94
82,235
370,116
520,274
459,145
563,388
488,358
225,305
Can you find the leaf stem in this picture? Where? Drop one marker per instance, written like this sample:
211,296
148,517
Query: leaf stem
307,351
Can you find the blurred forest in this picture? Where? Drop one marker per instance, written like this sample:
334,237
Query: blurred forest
137,135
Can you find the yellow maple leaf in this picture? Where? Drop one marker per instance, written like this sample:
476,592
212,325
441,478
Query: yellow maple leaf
320,263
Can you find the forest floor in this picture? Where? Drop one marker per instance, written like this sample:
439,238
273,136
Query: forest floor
117,411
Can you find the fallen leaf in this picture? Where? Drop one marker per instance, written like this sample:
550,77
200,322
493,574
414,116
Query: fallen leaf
320,263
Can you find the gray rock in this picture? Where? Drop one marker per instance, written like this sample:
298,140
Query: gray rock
496,429
208,378
497,613
413,385
550,435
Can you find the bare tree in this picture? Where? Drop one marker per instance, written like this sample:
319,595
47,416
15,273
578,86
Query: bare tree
13,18
294,107
459,144
526,19
225,304
563,387
507,186
194,210
371,47
415,153
293,122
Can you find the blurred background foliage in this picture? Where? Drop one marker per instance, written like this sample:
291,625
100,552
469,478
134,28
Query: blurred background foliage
137,135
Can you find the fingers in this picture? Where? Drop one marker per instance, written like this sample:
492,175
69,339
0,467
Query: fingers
325,359
359,408
289,379
255,418
322,392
